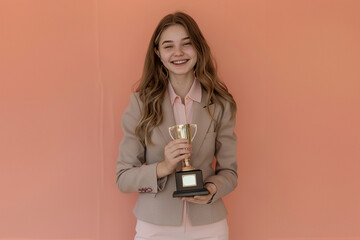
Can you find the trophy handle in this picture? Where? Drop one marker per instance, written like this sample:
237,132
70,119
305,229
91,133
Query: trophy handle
170,132
193,129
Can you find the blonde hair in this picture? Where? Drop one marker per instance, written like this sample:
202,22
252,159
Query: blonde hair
154,80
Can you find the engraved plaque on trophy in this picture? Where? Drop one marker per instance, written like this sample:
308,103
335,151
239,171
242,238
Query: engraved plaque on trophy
189,181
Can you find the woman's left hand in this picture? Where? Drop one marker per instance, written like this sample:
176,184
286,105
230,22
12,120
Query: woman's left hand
202,199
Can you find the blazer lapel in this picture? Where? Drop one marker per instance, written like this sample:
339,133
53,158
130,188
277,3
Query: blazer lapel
202,118
168,119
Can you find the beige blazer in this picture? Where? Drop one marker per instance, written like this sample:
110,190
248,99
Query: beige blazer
136,164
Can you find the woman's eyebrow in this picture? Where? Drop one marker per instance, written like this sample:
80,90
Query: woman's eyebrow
167,41
170,41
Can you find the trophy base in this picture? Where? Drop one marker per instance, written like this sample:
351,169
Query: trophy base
190,193
189,183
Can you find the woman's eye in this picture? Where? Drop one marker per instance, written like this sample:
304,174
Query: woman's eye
168,47
187,44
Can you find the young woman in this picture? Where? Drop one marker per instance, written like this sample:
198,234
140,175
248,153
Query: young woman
179,85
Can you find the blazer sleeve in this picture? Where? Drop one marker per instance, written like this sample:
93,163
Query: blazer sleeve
132,174
225,177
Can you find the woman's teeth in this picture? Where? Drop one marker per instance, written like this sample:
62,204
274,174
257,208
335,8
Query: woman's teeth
180,62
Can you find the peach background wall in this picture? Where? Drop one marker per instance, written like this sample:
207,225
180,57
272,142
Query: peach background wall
67,68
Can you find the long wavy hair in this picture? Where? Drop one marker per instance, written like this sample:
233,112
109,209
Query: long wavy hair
154,80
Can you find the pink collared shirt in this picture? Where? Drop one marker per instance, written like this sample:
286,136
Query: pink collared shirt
183,112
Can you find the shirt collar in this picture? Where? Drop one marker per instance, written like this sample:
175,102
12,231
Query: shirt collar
194,92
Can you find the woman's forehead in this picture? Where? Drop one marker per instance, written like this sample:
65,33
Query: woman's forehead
174,33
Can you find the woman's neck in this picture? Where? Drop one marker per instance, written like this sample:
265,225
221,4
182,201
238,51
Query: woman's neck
182,84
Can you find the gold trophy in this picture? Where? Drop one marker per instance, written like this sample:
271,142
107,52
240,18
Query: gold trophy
189,181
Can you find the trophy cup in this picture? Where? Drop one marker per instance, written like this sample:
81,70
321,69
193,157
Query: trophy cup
189,181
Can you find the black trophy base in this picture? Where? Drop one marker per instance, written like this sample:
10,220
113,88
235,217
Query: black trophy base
189,183
190,193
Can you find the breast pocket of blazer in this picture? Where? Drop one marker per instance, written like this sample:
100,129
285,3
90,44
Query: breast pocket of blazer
208,145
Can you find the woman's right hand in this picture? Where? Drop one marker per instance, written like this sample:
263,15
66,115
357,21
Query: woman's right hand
174,152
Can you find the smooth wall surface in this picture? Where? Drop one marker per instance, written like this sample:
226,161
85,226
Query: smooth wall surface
67,68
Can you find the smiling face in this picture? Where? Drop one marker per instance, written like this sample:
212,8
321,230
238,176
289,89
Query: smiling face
176,52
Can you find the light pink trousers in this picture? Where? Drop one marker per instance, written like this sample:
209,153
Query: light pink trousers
213,231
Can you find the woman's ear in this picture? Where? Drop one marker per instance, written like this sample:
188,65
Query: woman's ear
157,52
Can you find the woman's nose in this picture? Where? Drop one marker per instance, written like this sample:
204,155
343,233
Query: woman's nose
178,51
